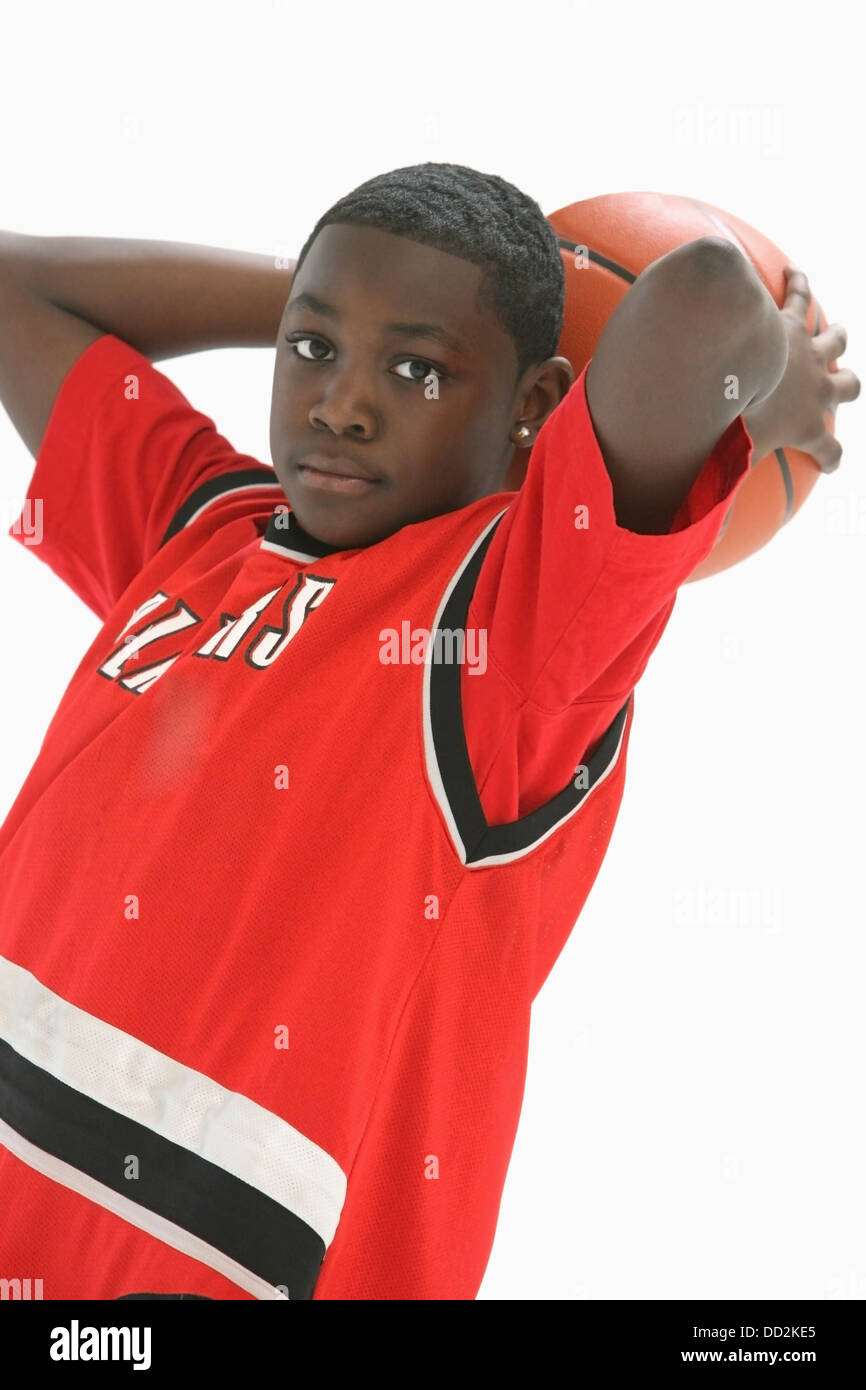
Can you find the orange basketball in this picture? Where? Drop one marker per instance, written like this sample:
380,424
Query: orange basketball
605,243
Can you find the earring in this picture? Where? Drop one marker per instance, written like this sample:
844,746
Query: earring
524,432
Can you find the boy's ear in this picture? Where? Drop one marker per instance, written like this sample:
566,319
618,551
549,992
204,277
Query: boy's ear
548,385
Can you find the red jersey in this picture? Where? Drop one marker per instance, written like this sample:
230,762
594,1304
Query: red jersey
302,842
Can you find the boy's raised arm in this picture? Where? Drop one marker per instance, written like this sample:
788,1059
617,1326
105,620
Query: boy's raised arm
696,340
58,294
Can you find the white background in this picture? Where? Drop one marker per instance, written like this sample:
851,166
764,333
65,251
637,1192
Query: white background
693,1121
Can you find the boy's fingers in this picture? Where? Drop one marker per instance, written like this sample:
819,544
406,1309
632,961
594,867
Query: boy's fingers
827,453
831,343
798,296
846,385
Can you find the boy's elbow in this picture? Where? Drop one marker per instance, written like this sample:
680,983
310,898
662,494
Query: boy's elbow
746,315
719,266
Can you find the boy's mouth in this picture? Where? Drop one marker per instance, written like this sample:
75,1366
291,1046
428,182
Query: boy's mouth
335,474
333,482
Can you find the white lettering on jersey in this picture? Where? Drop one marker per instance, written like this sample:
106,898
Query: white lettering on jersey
273,641
155,601
182,617
224,642
262,651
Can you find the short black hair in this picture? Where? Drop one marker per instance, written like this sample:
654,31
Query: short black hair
485,220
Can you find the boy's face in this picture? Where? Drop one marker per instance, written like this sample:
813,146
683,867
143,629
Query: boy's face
357,392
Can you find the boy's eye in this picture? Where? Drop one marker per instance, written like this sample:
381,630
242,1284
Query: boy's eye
428,367
296,342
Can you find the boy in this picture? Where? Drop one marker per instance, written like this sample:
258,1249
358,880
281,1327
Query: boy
288,872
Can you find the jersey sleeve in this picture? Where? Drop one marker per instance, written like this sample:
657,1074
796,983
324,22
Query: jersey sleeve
573,604
122,452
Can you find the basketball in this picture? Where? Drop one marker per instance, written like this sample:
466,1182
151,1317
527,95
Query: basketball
605,243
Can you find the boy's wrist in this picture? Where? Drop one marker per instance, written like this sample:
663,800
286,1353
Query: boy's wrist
755,421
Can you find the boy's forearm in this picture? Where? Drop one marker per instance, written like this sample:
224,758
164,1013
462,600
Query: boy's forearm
165,298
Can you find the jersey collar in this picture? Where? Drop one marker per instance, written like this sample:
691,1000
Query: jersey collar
286,533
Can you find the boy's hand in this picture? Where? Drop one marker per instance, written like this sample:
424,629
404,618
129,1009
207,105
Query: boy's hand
793,416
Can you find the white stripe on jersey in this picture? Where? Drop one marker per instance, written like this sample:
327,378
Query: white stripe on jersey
141,1217
182,1105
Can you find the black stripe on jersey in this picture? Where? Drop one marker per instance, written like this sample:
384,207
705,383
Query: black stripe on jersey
238,481
482,842
248,1226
